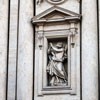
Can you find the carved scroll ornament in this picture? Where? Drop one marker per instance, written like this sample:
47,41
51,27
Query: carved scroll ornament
56,1
39,1
51,1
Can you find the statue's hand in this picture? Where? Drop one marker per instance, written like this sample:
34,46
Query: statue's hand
53,58
50,44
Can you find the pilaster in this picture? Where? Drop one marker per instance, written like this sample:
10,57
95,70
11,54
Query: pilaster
12,60
89,50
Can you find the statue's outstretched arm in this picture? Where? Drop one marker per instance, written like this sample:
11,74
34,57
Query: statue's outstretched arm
55,49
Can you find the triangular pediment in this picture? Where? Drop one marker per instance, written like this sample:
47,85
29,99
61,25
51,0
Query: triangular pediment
54,13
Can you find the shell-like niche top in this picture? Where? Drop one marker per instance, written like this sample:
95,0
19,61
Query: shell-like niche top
55,2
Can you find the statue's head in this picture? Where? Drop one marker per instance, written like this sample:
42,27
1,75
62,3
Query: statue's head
59,45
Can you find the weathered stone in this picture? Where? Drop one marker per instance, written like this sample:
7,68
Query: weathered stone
89,51
3,47
25,51
60,21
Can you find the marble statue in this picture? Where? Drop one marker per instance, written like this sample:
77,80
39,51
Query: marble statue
55,68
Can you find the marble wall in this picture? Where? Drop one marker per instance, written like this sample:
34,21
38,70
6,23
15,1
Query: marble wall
16,55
